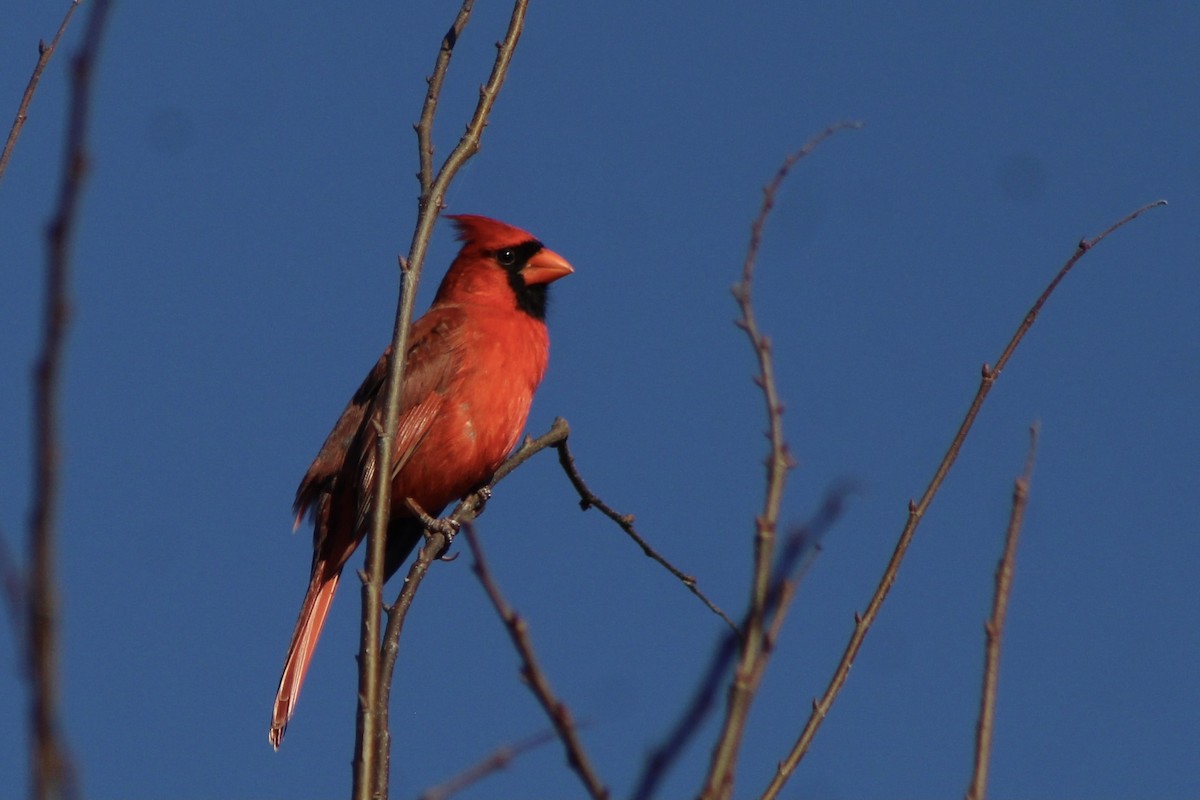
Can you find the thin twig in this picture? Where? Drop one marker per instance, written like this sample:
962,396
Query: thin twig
557,438
499,759
371,759
801,546
994,628
52,774
45,51
916,510
534,677
435,80
719,781
588,499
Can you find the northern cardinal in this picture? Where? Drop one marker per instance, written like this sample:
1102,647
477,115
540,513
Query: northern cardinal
474,361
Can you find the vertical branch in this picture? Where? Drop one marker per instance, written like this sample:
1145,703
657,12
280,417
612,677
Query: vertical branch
372,740
917,509
719,781
45,51
436,543
51,772
994,628
435,80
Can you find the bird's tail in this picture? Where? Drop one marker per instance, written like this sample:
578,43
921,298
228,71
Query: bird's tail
315,608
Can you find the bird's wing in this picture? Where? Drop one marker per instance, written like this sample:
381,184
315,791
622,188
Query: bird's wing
432,356
318,481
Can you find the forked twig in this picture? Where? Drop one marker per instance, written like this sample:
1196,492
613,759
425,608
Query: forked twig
534,677
994,628
51,767
916,510
371,748
45,51
719,781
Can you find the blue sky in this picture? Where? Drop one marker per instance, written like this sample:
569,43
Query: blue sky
235,278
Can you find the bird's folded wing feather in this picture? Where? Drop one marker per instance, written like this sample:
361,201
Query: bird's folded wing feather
428,373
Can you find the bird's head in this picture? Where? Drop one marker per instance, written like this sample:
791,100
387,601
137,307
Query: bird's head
501,263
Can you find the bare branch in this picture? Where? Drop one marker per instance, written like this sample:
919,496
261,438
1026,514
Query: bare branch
557,437
435,544
52,775
45,51
499,759
435,80
534,677
917,509
472,505
372,743
994,628
801,546
588,499
719,782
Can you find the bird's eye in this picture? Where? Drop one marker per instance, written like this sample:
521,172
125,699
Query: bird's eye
507,257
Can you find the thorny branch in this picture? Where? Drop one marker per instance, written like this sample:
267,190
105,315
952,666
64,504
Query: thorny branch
994,628
534,677
917,509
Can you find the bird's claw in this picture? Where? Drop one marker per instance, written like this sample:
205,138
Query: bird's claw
448,528
482,495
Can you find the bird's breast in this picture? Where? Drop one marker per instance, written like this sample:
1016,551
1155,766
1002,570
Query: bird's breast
499,364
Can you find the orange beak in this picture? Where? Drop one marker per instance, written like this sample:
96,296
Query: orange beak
546,266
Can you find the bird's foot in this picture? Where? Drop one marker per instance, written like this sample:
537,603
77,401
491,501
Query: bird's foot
448,528
482,495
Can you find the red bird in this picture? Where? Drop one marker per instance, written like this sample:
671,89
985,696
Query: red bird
474,362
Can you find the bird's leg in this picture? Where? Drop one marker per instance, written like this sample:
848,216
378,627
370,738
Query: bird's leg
446,526
482,495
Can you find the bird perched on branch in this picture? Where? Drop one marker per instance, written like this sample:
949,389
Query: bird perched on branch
474,361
